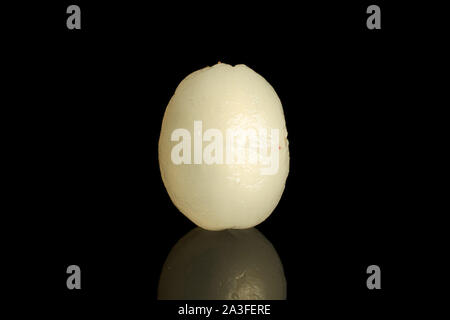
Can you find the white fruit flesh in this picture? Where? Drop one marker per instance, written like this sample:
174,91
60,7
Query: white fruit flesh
224,196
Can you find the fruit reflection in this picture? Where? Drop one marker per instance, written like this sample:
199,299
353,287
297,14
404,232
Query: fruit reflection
224,265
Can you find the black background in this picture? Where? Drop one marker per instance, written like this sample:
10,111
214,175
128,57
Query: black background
93,108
